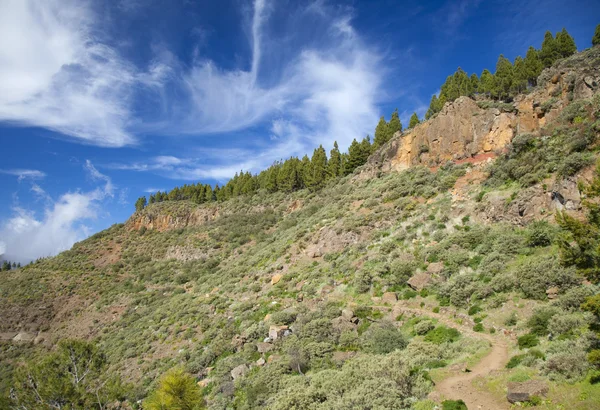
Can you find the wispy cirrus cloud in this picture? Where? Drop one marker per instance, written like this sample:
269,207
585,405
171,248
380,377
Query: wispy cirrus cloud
55,74
26,236
24,173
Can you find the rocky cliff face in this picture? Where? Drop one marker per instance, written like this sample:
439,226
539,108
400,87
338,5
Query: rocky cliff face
466,130
172,215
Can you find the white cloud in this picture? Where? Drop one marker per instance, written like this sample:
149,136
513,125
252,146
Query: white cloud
24,173
26,237
55,74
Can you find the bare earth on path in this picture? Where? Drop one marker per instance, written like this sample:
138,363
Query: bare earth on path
460,386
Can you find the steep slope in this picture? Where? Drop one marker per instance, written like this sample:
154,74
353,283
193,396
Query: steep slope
347,297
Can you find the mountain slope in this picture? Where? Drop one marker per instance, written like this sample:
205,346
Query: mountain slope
302,300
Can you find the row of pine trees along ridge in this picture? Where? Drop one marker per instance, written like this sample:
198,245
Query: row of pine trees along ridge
313,173
510,79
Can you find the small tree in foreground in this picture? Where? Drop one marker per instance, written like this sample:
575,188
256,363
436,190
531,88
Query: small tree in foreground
176,390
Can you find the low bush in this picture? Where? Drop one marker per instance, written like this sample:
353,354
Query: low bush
527,341
442,334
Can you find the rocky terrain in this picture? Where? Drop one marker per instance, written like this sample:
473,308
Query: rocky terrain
437,272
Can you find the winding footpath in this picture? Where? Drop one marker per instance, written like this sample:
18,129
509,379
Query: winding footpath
460,386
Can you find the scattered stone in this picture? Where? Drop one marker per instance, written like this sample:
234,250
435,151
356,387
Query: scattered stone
299,285
347,314
239,371
273,358
341,357
277,332
552,292
267,340
523,391
435,268
264,347
267,317
276,278
389,297
24,337
420,280
7,335
204,382
300,297
260,362
238,342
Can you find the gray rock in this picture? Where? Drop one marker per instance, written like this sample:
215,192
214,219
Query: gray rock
523,391
239,371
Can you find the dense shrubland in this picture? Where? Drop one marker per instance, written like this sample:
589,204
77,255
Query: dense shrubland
158,322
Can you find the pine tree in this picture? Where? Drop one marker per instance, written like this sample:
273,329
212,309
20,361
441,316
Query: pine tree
519,83
596,38
565,44
305,171
549,52
318,169
394,125
355,156
474,80
533,66
366,149
504,77
334,165
140,204
486,82
432,107
381,133
414,120
209,195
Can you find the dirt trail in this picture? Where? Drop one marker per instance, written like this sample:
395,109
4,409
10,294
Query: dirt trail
460,386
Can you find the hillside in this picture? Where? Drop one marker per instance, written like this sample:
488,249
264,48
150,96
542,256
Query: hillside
460,262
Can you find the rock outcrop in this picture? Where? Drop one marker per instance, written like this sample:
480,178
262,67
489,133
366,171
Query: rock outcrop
466,130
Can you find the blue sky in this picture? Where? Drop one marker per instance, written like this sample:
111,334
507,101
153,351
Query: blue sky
102,101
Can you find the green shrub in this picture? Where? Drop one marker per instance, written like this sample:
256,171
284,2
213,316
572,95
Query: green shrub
527,341
454,405
478,327
538,322
473,310
423,327
176,390
383,338
594,358
540,233
442,334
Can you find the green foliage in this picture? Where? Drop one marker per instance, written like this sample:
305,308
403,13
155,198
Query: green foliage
442,334
594,358
527,341
140,204
73,377
473,310
596,38
580,242
414,120
176,390
538,322
592,304
383,338
540,234
454,405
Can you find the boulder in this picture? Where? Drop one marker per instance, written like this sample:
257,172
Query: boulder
260,362
264,347
276,278
435,268
347,314
523,391
389,297
277,332
24,337
239,371
420,280
552,292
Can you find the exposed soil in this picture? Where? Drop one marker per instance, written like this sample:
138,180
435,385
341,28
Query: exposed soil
461,385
